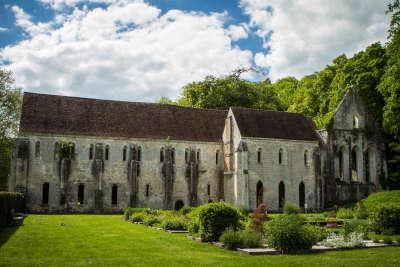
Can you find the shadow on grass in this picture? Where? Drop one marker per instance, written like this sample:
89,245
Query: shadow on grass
6,233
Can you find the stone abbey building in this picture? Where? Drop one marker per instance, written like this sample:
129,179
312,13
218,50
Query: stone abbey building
86,155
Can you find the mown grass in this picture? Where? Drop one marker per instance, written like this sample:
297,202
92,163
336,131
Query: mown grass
106,240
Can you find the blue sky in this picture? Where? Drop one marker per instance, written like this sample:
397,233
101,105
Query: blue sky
141,50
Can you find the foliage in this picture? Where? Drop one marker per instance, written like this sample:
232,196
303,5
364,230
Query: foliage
361,210
151,220
186,210
240,239
345,213
137,217
129,211
291,208
287,233
215,217
258,218
318,233
386,218
383,198
339,241
10,102
10,201
66,149
174,223
387,240
358,226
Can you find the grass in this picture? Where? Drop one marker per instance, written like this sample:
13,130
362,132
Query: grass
106,240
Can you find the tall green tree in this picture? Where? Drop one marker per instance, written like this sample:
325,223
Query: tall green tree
10,102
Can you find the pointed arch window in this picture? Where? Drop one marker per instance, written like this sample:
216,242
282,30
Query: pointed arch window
162,155
37,149
186,155
259,155
124,153
280,159
91,151
107,152
139,154
355,122
306,158
56,149
216,157
198,155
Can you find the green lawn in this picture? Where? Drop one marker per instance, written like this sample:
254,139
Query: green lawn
106,240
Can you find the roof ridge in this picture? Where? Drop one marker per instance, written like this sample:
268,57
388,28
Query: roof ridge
130,102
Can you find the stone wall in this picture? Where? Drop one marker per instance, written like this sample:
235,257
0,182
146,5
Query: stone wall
43,168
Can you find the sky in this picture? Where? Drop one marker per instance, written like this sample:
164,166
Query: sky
138,50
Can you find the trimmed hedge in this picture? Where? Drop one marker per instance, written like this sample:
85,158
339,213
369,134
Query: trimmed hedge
384,198
9,201
386,219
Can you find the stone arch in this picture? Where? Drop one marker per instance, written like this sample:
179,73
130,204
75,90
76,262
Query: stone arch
179,204
281,198
114,195
302,195
259,193
45,193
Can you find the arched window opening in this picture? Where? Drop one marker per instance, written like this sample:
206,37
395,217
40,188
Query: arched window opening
107,153
306,158
179,204
81,193
280,156
354,174
56,150
259,155
138,171
162,155
302,196
114,195
37,149
91,148
355,122
45,193
281,195
139,154
147,190
198,155
260,193
216,157
208,189
124,153
173,155
186,156
367,166
341,175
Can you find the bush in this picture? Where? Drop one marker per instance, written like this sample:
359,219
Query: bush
240,239
345,213
193,226
186,210
386,219
359,226
287,233
318,233
137,217
384,198
10,201
174,223
232,239
215,217
387,240
258,218
290,208
151,220
361,210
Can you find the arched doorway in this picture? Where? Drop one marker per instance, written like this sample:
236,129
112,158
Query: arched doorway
260,193
281,195
179,204
302,196
367,166
354,173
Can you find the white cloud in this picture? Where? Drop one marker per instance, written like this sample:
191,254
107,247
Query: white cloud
2,29
304,36
126,51
237,32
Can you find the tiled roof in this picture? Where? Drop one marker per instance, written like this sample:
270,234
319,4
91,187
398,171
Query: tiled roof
274,124
52,114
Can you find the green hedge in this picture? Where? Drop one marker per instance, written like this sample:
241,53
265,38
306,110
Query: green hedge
9,201
384,198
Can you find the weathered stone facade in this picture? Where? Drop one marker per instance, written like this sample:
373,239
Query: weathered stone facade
254,157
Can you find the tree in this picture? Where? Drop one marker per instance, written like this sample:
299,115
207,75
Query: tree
10,101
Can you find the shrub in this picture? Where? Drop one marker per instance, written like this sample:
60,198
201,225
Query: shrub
137,217
9,201
151,220
245,211
376,200
387,240
339,241
240,239
291,208
345,213
386,219
186,210
318,233
258,218
288,233
193,226
215,217
232,239
397,240
361,210
174,223
359,226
